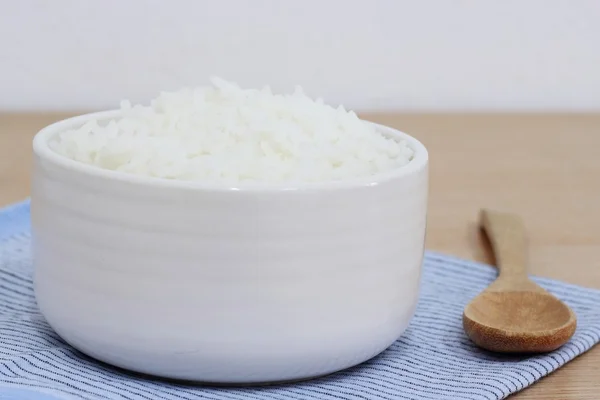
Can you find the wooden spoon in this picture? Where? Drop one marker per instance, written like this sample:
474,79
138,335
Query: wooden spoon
515,315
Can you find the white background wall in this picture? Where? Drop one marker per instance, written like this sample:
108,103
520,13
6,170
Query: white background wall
368,54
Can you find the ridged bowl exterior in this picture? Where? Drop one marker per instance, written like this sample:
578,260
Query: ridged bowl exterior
228,286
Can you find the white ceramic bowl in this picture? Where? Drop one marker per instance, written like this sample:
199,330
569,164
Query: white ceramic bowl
225,284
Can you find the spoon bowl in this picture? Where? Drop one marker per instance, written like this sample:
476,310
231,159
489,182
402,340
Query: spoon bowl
537,322
514,314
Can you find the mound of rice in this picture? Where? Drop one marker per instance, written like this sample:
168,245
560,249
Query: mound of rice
224,133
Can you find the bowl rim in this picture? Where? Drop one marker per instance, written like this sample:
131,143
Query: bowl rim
42,150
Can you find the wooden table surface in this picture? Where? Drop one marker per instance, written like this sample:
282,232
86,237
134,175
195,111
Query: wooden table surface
544,167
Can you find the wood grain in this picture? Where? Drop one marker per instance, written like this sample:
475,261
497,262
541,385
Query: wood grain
545,168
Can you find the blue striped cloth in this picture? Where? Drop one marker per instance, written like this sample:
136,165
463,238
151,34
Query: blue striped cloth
432,360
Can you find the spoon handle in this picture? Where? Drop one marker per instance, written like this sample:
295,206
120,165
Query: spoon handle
507,237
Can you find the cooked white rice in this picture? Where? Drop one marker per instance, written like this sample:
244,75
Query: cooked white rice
227,134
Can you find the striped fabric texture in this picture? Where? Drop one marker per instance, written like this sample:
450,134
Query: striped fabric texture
432,360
